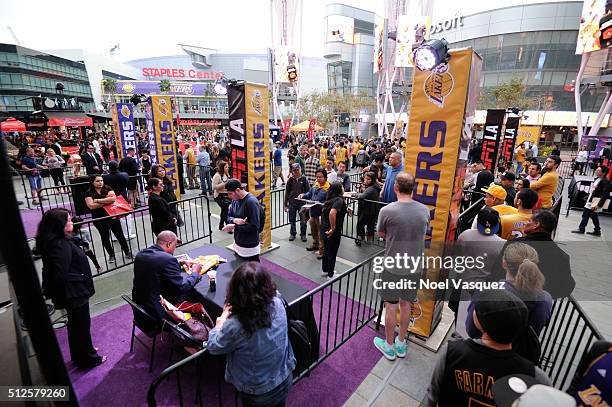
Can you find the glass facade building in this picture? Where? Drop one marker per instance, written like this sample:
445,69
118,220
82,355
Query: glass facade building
25,73
535,43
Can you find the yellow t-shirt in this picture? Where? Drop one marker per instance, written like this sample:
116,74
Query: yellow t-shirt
513,226
340,155
190,156
520,155
505,209
546,186
356,148
323,156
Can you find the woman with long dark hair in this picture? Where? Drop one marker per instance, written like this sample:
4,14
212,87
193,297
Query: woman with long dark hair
157,171
332,220
252,332
218,182
367,209
96,198
67,281
162,217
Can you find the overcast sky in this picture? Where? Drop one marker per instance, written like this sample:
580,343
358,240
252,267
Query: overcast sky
154,27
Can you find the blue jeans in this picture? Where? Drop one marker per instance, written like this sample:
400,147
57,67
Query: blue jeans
205,179
589,214
274,398
293,214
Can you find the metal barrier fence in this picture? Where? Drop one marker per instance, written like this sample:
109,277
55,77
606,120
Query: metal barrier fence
134,228
567,169
351,222
279,217
46,182
64,197
341,307
564,341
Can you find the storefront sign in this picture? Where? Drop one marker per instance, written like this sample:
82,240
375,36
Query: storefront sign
196,122
432,155
447,24
193,89
490,140
179,73
161,111
508,142
123,127
70,122
249,134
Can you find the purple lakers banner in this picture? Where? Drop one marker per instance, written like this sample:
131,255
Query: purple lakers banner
151,133
123,125
150,88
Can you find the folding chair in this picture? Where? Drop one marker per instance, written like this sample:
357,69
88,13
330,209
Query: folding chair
147,325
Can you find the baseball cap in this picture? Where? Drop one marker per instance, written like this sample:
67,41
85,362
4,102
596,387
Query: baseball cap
509,176
524,391
487,222
501,314
296,166
232,185
497,191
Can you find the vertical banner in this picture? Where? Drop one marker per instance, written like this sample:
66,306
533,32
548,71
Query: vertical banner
116,134
436,127
490,138
165,141
508,142
125,131
151,133
248,118
286,125
380,35
411,32
311,128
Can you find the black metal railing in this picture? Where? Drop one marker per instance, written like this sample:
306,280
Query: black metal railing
72,197
567,169
278,216
46,182
466,218
350,228
135,228
566,338
341,308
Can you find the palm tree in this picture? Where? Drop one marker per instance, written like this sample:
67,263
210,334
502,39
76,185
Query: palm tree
110,88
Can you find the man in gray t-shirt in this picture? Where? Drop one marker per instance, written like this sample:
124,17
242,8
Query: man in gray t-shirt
403,225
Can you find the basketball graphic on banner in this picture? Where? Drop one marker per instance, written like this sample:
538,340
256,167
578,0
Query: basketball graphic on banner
439,85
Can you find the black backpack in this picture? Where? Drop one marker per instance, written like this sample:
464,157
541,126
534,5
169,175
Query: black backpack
300,341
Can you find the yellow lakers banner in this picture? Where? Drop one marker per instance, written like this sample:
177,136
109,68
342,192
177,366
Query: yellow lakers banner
165,141
527,133
258,152
437,127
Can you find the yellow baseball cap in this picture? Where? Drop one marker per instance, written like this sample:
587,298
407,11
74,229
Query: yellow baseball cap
497,191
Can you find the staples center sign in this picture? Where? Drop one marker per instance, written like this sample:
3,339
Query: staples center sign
179,73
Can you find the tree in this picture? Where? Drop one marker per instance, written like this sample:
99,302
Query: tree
110,88
325,106
511,94
165,86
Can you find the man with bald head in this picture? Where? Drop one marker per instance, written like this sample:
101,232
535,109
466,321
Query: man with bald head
157,272
395,166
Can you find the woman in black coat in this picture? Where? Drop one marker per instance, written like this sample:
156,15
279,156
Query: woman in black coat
67,281
162,216
368,211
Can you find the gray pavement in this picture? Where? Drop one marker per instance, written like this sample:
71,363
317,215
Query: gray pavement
404,382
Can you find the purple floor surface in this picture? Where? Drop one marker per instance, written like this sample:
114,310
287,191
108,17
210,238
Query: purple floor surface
124,378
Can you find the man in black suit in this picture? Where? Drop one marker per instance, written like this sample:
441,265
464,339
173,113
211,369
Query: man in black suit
157,272
554,263
116,179
92,161
129,165
601,190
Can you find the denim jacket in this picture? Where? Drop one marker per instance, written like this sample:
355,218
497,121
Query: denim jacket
257,363
316,194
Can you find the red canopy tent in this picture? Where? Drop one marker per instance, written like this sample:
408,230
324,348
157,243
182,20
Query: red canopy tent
11,124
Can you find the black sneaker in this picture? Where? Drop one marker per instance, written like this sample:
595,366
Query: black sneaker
357,242
291,238
594,233
303,239
580,232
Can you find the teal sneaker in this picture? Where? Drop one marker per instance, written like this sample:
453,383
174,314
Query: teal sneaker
400,348
387,350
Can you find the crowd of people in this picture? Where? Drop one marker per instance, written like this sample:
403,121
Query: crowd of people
515,227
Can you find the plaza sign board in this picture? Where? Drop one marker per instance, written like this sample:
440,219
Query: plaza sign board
178,73
193,89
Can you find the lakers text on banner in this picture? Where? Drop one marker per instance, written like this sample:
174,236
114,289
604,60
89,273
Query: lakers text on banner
165,140
436,127
116,135
125,129
490,138
151,133
258,152
510,132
